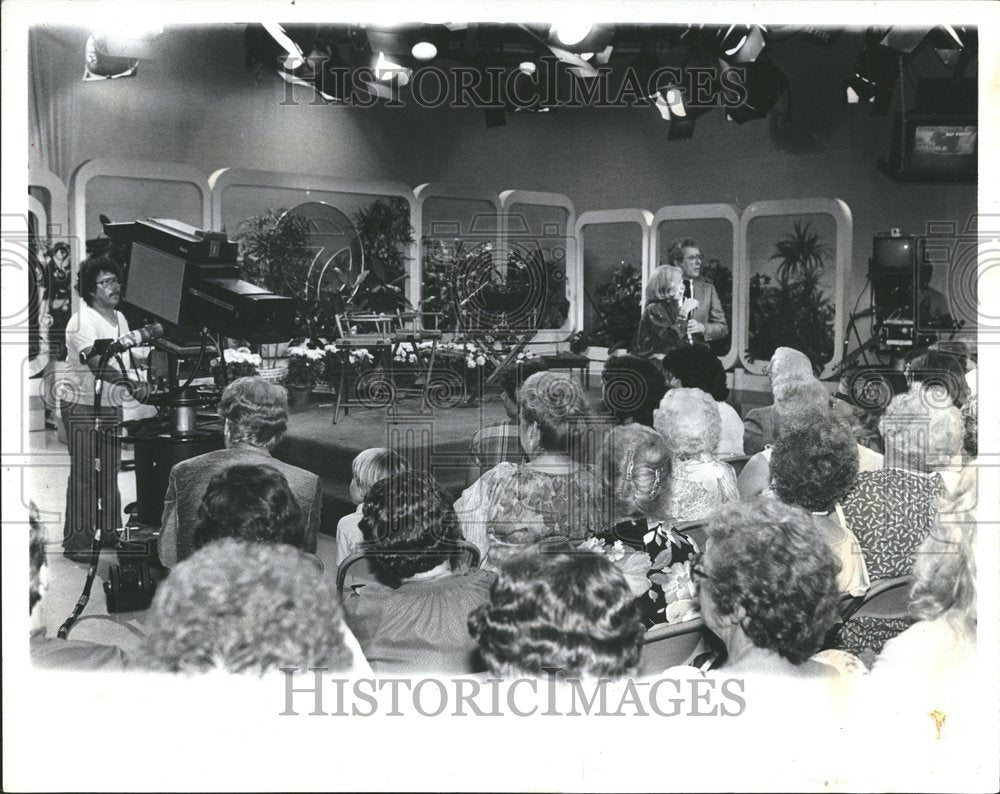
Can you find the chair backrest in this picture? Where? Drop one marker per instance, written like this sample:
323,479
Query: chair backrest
886,598
694,530
737,462
466,553
669,645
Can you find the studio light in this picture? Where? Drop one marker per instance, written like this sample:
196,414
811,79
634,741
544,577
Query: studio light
527,67
99,65
874,76
569,34
293,52
742,43
764,84
669,103
386,71
424,51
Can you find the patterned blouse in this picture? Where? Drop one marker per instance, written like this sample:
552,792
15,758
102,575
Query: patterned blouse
698,486
515,505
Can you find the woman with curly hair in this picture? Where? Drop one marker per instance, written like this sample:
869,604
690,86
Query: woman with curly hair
689,422
561,609
414,619
631,388
635,468
555,495
769,590
252,503
813,466
245,607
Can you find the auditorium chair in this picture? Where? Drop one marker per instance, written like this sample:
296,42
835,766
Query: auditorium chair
886,598
669,644
694,530
464,556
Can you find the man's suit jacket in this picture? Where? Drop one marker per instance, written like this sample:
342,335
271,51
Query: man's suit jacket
189,481
709,312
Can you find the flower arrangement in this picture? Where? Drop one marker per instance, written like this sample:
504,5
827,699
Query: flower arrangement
305,365
358,360
632,563
241,362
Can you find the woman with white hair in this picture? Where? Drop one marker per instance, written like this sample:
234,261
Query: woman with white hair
689,422
787,365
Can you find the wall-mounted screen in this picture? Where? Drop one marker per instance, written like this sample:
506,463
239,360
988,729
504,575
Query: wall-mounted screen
155,283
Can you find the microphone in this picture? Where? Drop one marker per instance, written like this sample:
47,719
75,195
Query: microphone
138,337
689,316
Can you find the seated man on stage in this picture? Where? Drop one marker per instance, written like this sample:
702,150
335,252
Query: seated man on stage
255,412
708,321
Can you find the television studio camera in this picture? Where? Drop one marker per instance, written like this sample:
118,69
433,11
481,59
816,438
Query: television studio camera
184,283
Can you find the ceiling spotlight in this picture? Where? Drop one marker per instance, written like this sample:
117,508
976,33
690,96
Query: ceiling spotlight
764,84
424,51
386,70
293,52
737,43
527,67
669,102
99,65
875,75
569,34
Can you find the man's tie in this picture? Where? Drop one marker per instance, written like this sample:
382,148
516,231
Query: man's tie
687,288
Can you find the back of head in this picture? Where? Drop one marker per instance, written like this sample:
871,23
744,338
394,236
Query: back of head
245,608
251,503
939,371
766,559
800,402
920,432
557,404
410,524
689,421
664,283
815,464
697,367
256,412
513,377
944,574
788,364
560,609
374,464
633,387
635,471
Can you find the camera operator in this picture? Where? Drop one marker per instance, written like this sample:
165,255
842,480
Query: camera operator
99,284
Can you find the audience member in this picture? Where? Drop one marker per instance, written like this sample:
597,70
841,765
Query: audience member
501,441
699,483
769,591
941,372
813,466
663,324
697,367
631,388
786,366
418,624
554,495
860,399
635,470
891,511
51,652
255,412
559,609
367,468
249,502
247,608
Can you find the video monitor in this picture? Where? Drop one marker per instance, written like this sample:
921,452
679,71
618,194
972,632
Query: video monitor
155,283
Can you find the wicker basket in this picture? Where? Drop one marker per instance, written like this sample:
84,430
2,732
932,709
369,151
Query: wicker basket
274,374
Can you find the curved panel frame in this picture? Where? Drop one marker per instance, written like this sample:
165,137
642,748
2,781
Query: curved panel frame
841,214
725,212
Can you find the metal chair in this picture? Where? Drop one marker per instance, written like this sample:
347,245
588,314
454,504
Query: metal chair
669,644
463,555
886,598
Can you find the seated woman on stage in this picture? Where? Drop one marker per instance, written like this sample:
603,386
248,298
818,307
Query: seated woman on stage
663,325
252,503
700,483
697,367
635,471
245,607
813,466
552,496
632,388
559,609
416,620
891,511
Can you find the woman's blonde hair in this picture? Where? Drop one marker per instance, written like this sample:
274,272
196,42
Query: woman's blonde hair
372,465
663,283
635,470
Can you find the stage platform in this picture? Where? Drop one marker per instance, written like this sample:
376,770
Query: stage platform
436,441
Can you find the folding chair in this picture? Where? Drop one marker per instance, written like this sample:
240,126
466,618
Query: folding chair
463,555
669,644
886,598
737,462
694,530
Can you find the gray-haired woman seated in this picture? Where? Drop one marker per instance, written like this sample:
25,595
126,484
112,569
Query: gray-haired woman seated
415,620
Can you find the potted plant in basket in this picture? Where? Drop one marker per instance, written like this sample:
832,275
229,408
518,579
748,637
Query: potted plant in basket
241,362
305,365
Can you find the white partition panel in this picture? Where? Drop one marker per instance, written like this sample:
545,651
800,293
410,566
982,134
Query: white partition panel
57,209
606,241
456,221
544,225
239,194
795,258
715,228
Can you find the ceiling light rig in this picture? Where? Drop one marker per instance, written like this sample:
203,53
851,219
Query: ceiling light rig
875,75
115,52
